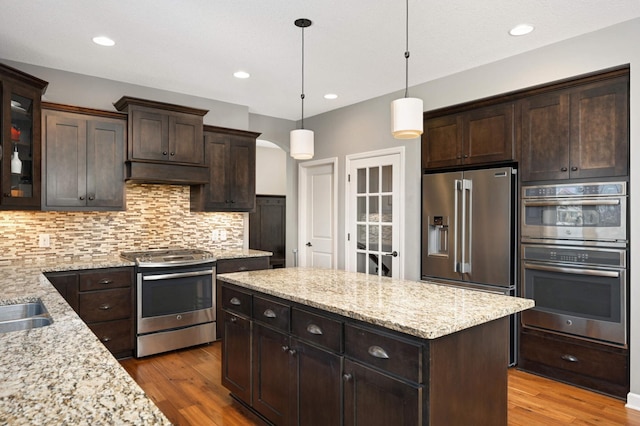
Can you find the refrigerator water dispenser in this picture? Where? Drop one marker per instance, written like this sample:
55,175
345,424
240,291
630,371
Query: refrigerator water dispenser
438,236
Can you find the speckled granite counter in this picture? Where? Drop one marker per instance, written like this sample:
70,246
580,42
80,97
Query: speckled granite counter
239,253
419,309
61,373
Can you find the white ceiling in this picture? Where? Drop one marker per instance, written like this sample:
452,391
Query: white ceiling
355,48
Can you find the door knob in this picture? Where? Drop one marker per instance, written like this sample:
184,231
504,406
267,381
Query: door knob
393,253
308,244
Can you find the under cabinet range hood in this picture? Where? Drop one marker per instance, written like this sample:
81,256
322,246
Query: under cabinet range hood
164,142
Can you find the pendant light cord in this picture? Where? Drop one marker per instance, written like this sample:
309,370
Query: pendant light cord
406,53
302,94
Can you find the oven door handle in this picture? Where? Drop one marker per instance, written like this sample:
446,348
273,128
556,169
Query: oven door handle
545,203
577,271
176,275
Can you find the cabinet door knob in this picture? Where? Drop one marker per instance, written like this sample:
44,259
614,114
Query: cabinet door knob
106,339
82,197
164,152
563,169
574,169
314,329
292,352
233,319
172,154
285,348
378,352
347,377
91,198
104,307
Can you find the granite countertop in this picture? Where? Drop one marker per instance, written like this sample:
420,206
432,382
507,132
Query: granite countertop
422,309
61,373
239,253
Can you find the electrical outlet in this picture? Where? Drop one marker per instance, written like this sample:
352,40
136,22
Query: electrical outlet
223,235
215,235
43,240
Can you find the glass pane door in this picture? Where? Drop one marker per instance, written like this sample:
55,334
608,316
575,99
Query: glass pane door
21,146
373,230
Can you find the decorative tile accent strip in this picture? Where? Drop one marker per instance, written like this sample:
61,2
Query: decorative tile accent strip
157,216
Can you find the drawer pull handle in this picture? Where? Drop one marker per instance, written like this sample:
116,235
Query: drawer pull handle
106,339
105,281
104,307
269,313
378,352
569,358
235,301
314,329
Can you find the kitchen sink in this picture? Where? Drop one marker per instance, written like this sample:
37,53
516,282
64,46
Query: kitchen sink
23,316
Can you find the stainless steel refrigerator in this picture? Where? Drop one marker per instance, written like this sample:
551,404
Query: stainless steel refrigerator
468,230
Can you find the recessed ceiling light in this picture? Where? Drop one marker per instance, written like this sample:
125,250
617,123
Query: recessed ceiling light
103,41
521,29
330,96
241,74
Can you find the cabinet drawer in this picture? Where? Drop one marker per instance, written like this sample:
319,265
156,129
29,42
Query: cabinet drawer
270,312
105,305
383,351
117,336
318,329
225,266
106,279
583,359
236,301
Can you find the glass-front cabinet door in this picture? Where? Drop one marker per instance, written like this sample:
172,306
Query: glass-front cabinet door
20,167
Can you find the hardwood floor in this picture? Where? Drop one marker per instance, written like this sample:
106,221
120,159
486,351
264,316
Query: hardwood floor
186,386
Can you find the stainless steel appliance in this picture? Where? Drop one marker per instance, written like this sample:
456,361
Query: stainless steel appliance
468,232
175,299
574,259
577,290
576,213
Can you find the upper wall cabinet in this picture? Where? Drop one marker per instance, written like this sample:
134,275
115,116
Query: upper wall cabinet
231,157
578,132
83,159
165,142
476,136
20,145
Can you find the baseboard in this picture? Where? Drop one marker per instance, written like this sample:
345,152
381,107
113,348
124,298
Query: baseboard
633,401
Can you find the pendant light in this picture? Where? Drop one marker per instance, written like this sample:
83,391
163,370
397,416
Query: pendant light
406,113
301,140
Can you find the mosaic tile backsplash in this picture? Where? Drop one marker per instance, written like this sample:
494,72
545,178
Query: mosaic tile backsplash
156,216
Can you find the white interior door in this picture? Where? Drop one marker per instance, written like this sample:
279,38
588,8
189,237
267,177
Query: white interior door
375,200
317,211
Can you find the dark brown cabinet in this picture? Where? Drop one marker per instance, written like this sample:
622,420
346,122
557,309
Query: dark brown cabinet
20,144
477,136
103,298
164,143
595,366
83,159
578,132
267,227
236,356
231,157
226,266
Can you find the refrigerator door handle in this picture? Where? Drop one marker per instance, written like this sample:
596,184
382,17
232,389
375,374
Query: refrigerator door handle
457,188
465,252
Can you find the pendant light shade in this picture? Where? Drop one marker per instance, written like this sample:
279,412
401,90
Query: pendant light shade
301,140
406,113
406,118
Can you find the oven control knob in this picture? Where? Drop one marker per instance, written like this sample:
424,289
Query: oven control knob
178,317
569,322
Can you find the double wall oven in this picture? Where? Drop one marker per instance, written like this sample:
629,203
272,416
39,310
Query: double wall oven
574,256
175,299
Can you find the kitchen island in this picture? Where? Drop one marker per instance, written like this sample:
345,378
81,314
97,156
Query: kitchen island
303,343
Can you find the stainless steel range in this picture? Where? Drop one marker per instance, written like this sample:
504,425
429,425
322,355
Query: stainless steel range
175,299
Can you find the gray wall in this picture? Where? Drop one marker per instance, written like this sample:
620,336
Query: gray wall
366,127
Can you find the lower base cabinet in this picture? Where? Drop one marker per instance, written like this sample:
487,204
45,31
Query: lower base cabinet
296,365
103,298
598,367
